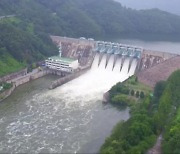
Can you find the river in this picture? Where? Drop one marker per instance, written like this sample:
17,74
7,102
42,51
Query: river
68,119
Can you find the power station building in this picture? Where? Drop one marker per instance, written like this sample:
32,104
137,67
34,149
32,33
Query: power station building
59,63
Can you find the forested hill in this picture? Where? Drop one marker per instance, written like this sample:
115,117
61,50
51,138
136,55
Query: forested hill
90,18
25,35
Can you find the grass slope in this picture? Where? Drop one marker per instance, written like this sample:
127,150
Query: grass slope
9,65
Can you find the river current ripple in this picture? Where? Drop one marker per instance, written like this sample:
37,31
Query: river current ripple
68,119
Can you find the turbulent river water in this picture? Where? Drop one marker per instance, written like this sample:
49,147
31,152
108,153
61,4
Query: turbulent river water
68,119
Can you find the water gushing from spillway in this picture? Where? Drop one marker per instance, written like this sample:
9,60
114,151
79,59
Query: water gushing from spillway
65,119
110,64
125,67
117,66
133,67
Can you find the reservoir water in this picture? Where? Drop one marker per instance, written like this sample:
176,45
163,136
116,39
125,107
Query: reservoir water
165,46
68,119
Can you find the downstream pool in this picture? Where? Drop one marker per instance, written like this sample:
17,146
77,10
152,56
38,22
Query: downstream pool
34,119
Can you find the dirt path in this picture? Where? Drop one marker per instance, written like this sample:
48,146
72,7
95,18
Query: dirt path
156,149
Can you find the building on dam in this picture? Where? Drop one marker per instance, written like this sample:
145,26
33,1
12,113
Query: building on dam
60,63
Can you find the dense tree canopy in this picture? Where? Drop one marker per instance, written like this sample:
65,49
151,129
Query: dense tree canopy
90,18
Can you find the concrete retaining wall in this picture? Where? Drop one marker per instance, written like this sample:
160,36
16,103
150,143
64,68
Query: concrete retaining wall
40,74
29,77
13,75
26,78
23,80
159,72
6,93
68,78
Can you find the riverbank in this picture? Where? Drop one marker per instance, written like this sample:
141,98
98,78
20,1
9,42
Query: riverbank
23,77
151,123
135,134
133,85
6,93
20,78
67,120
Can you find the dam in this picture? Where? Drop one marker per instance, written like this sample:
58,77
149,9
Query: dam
71,118
150,66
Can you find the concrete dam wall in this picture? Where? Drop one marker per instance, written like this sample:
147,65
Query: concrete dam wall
159,72
113,56
84,50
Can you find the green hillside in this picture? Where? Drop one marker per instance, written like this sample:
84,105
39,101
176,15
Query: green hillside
90,18
9,64
25,34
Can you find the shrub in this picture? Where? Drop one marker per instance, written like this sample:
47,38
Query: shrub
142,95
121,100
132,92
137,94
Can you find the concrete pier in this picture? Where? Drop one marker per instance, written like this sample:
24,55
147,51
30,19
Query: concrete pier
67,78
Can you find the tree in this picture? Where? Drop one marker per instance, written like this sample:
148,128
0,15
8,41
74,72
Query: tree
158,90
120,99
142,94
137,94
132,92
136,79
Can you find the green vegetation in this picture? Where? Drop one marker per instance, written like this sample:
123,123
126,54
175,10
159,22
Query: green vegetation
19,47
155,115
5,86
168,114
25,35
8,64
133,83
127,93
171,142
134,136
121,100
89,18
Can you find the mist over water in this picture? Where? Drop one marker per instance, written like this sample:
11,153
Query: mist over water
68,119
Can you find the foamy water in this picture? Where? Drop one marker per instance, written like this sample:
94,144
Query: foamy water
68,119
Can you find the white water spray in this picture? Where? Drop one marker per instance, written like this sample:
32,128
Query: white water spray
117,65
133,67
110,64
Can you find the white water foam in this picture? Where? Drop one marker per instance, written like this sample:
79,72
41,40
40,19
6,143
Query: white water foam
133,67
